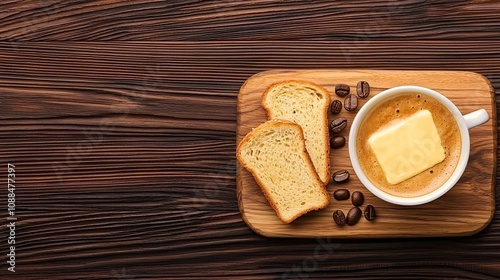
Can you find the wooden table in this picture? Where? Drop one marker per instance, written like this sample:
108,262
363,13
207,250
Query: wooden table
120,120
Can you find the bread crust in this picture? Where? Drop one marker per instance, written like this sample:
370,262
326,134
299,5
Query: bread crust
265,190
324,113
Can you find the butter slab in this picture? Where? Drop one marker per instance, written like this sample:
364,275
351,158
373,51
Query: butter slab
407,148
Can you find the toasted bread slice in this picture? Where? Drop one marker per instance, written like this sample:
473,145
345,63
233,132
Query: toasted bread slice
306,104
275,154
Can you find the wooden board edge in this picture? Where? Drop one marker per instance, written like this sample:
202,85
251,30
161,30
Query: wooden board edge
306,70
239,167
466,233
494,118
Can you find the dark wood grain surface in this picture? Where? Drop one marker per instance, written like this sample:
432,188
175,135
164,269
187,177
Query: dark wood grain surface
120,117
248,20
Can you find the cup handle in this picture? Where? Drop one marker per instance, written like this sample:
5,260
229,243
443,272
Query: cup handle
476,118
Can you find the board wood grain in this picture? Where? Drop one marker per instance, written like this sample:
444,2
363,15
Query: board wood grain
464,210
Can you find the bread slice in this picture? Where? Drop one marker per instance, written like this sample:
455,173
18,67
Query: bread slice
306,104
275,154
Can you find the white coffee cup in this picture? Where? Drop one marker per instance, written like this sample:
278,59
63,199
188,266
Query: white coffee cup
464,122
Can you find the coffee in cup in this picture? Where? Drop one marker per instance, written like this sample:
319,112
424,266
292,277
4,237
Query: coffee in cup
395,110
396,105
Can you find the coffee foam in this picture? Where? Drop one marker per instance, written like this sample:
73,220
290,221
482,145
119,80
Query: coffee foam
393,111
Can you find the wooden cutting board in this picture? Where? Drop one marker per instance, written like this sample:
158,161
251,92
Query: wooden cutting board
464,210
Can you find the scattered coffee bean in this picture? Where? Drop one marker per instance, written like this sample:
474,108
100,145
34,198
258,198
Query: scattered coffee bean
357,198
338,124
336,106
370,213
341,194
337,142
340,176
339,217
351,102
353,216
363,89
342,90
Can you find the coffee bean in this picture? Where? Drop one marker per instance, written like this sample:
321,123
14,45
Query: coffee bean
338,124
363,89
340,176
342,90
337,142
351,102
357,198
341,194
339,217
353,216
336,107
370,213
